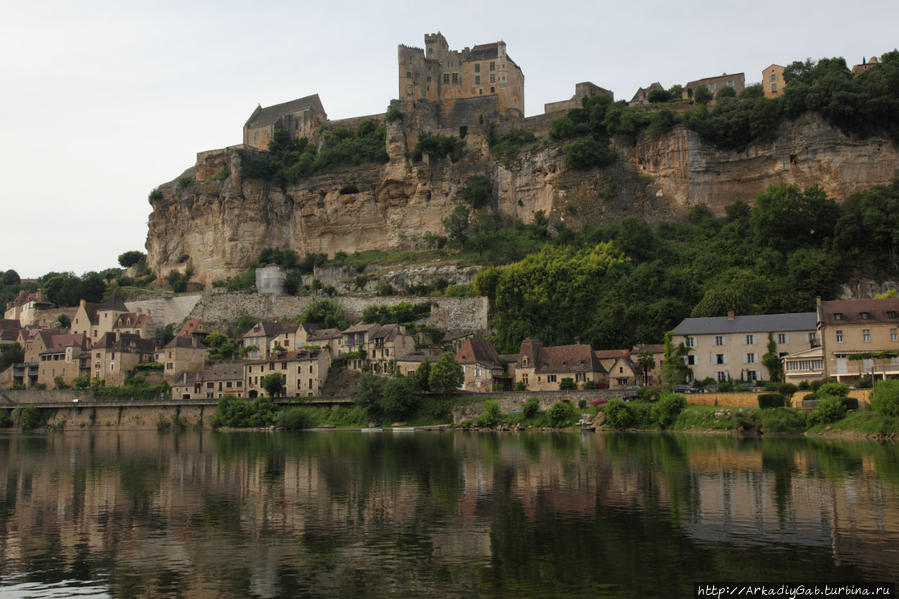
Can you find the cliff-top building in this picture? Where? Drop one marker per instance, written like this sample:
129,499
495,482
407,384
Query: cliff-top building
300,118
438,74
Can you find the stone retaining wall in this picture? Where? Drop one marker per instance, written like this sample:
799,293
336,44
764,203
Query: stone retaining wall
510,401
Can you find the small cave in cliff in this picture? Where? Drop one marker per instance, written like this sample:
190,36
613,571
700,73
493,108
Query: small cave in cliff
348,189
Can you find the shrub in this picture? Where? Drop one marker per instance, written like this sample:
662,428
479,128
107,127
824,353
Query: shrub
295,419
561,414
587,153
665,411
531,407
492,415
830,409
567,384
184,182
394,114
400,397
589,385
725,386
786,389
438,147
864,382
618,414
886,398
804,386
783,420
29,418
155,195
833,389
771,400
746,420
520,386
582,403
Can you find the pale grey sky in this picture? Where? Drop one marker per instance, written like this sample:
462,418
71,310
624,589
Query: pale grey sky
100,101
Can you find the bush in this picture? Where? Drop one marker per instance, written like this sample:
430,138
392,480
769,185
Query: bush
567,384
587,153
520,386
771,400
561,414
864,382
783,420
295,419
618,414
492,415
29,418
786,389
804,386
530,408
438,147
830,409
665,411
588,385
400,397
725,387
886,398
394,114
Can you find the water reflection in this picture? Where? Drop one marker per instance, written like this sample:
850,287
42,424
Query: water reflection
271,515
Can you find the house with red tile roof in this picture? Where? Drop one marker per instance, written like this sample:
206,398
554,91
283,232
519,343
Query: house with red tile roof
304,372
481,366
542,368
620,370
65,356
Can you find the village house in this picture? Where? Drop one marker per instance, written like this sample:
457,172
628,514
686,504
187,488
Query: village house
264,336
136,323
210,383
95,320
10,329
302,117
304,372
653,376
773,81
481,366
582,91
731,347
865,65
330,339
641,98
620,371
114,356
355,342
410,363
385,344
542,368
736,81
25,306
182,353
65,356
855,327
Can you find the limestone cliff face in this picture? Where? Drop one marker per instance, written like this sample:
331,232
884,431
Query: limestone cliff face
216,222
806,152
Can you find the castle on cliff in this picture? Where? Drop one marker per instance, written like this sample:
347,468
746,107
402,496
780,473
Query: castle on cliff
446,89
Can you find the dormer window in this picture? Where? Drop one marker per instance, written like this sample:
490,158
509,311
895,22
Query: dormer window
865,315
838,316
891,314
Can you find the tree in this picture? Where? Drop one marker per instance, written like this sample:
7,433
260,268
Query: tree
11,277
273,384
786,218
368,392
726,92
772,361
131,258
446,375
62,322
646,363
327,313
702,95
423,375
399,398
456,225
674,370
657,96
477,191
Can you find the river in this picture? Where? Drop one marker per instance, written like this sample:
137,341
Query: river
347,514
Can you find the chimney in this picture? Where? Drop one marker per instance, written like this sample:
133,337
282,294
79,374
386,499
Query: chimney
730,314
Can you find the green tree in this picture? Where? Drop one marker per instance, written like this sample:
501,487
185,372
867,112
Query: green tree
327,313
400,397
886,398
62,322
772,362
786,218
423,375
477,191
674,370
446,375
456,225
273,384
702,95
646,363
368,392
131,258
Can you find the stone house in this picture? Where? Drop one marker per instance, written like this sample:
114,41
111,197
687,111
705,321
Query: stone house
863,326
865,65
737,81
211,382
804,365
641,97
304,371
193,327
263,336
654,375
114,356
95,320
620,371
183,353
542,368
332,339
64,355
481,366
356,339
25,306
409,363
438,74
582,91
731,347
773,81
302,117
385,344
10,330
136,323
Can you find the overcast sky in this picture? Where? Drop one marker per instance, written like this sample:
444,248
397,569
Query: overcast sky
102,101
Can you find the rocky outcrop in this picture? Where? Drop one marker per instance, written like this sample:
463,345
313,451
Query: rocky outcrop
214,221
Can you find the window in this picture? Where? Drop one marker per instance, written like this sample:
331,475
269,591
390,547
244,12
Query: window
813,337
283,365
866,335
719,340
773,88
524,379
550,378
891,314
477,68
446,77
773,77
492,90
783,338
750,375
492,66
750,359
408,74
492,78
749,340
455,77
689,342
720,359
690,360
730,83
713,87
893,335
865,315
839,336
409,88
838,316
477,79
720,376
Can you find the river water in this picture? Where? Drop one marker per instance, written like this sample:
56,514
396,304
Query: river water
347,514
